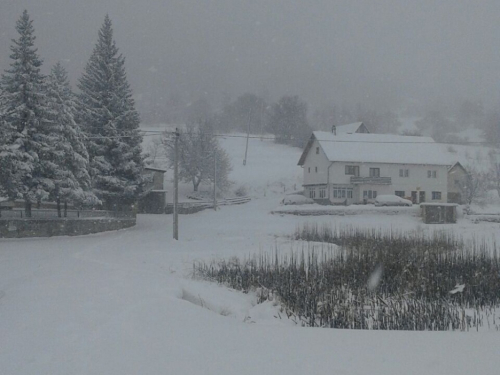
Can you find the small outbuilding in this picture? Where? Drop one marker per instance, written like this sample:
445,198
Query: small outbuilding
154,201
439,213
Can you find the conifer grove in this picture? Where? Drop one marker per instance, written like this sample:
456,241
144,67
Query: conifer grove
63,147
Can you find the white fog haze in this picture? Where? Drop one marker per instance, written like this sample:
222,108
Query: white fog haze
379,54
250,187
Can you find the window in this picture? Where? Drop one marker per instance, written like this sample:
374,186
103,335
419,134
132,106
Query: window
342,193
374,172
404,173
400,193
429,174
322,192
432,174
369,194
352,170
312,193
436,195
309,170
317,150
316,169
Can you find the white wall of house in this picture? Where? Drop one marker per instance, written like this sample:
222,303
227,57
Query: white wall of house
415,178
456,179
316,166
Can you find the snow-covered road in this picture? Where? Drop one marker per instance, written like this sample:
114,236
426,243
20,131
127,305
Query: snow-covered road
120,303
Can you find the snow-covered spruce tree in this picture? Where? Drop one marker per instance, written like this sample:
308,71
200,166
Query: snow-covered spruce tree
27,137
71,177
107,115
197,149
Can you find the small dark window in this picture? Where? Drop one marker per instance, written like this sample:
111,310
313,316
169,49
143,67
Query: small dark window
374,172
309,170
312,193
316,169
322,192
352,170
317,150
436,195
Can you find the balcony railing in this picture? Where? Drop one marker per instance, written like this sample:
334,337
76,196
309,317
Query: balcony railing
371,180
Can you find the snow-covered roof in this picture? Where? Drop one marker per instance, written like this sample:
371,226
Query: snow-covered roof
348,128
381,148
155,169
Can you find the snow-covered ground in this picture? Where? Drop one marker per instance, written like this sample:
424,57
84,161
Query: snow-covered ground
123,303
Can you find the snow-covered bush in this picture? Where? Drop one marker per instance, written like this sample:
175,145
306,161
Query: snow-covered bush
241,191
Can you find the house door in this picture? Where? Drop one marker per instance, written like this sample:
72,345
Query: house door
414,197
421,197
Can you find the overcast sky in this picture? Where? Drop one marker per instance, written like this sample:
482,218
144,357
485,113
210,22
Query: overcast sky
378,53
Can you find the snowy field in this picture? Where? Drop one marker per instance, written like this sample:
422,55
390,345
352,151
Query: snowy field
123,303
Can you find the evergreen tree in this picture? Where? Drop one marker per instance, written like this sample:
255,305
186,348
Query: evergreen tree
71,177
107,114
26,140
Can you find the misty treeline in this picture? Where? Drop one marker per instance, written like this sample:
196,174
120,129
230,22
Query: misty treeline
370,279
58,146
291,122
286,119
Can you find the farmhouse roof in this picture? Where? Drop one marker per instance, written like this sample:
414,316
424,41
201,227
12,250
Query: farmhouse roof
457,165
348,128
380,148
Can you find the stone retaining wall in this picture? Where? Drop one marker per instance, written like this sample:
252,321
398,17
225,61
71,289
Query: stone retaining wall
20,228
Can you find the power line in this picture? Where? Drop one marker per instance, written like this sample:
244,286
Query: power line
152,133
337,140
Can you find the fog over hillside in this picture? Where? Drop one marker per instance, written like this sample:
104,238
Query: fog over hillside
385,54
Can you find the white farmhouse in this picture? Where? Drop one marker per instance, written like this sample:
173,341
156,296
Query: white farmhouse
356,167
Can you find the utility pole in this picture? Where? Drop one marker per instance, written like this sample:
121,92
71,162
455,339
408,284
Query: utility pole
248,135
215,180
176,185
262,121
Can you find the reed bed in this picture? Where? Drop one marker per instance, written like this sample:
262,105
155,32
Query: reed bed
373,280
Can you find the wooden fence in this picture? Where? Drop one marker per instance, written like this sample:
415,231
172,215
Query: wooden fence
193,207
47,213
